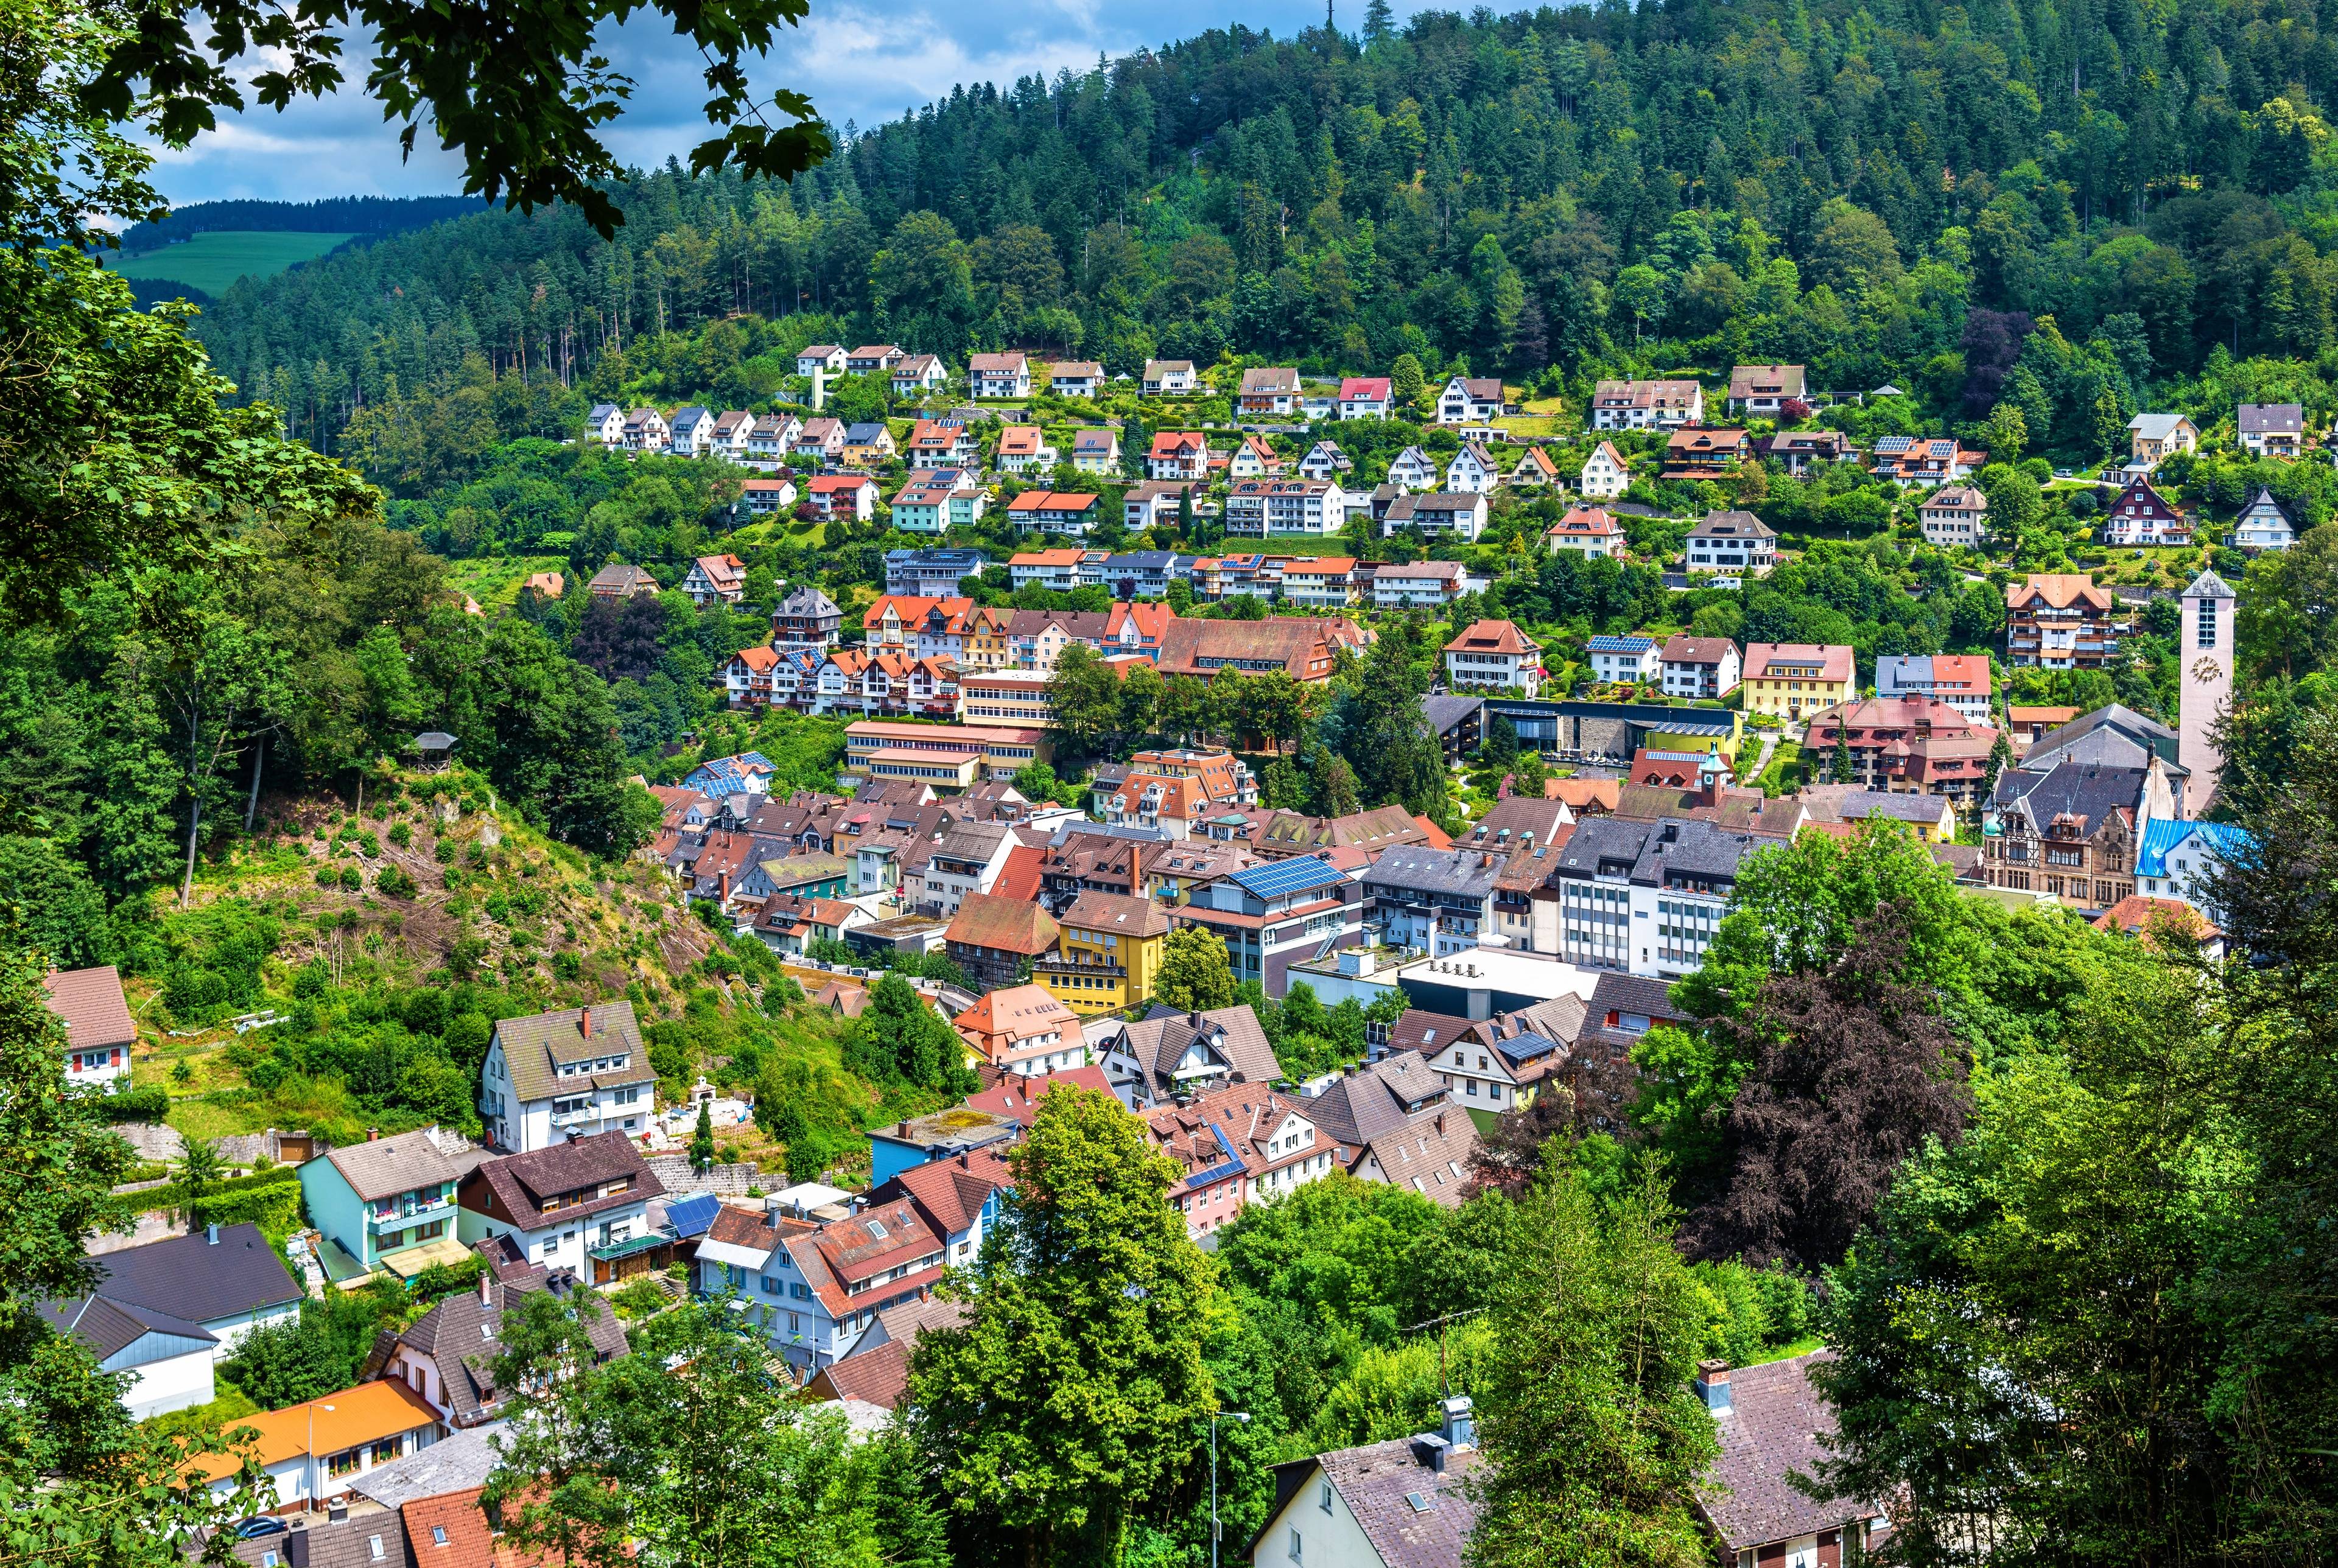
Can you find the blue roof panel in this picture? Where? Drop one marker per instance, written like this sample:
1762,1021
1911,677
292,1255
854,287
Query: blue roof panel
1277,878
692,1215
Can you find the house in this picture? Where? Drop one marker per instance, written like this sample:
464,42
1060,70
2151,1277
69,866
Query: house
1959,680
1910,461
967,860
1589,531
1646,404
1953,517
1394,1122
764,498
1167,1053
1055,510
1007,375
691,432
1022,448
1917,744
580,1205
829,359
1700,454
813,1290
448,1355
1765,390
1646,897
716,579
1178,455
1468,401
1024,1030
1255,508
1324,460
732,429
1628,658
1252,459
100,1034
309,1453
572,1071
789,922
2179,859
833,496
2072,828
388,1202
1267,390
1700,667
2154,437
552,584
1241,1144
645,431
930,573
806,618
916,375
936,500
1363,397
1494,655
1286,834
875,358
162,1315
2142,516
819,443
605,424
621,581
2265,429
1097,451
1799,451
1791,678
1472,471
1168,379
1076,378
1056,570
1774,1429
936,444
1272,916
1604,475
2062,621
1107,951
2265,523
1930,818
1413,469
1437,900
1408,1502
1535,470
1432,584
868,444
993,939
1152,503
1736,543
877,1373
1304,648
1460,513
769,440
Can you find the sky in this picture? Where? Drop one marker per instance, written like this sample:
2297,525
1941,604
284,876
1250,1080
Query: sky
862,61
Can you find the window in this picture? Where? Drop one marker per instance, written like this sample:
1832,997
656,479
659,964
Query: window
1295,1544
373,1547
2207,623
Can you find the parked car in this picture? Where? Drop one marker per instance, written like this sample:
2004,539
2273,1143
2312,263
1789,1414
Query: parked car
258,1525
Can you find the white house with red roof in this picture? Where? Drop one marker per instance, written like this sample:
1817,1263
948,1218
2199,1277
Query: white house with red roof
1242,1144
842,496
1023,1029
813,1290
1494,655
1364,397
1178,455
1590,531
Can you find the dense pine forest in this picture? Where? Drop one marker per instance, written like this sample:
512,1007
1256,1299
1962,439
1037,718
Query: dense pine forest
1887,193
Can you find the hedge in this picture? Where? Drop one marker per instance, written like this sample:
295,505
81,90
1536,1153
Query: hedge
150,1104
174,1194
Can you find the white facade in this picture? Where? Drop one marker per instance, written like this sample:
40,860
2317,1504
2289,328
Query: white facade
576,1106
562,1241
1604,475
1257,507
1626,658
1472,472
1413,469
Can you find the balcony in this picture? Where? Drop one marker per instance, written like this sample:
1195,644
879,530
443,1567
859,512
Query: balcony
584,1116
406,1214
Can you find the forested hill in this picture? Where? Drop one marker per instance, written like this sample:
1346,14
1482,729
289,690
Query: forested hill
334,215
1550,192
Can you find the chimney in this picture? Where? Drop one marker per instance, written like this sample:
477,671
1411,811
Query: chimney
585,1022
1433,1452
1460,1422
373,1134
487,1288
1712,1386
210,1235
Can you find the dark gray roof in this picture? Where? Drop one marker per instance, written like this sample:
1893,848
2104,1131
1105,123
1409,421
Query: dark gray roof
1732,525
107,1326
2083,789
1692,848
523,1182
191,1278
330,1544
1615,992
460,1336
1418,868
1159,1040
2114,735
1771,1432
1445,713
1377,1099
1608,845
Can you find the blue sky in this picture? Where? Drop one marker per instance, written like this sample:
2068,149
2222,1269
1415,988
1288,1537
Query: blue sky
858,61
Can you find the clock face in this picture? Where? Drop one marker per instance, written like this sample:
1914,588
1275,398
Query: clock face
2206,669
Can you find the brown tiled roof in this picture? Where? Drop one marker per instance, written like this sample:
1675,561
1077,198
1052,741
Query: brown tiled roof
987,920
1118,914
879,1376
521,1183
1378,1481
90,1001
1493,637
1771,1430
1430,1153
385,1167
536,1046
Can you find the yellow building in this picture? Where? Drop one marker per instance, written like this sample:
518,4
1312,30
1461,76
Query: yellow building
1795,680
1107,952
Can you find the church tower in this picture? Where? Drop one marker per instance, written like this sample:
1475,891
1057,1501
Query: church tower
2207,665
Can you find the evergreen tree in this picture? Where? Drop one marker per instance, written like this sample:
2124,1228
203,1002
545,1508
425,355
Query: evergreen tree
701,1140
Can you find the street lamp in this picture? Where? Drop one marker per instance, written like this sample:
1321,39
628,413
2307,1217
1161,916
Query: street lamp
313,1407
1243,1416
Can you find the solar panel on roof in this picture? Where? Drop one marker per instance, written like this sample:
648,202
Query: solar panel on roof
690,1216
1280,877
